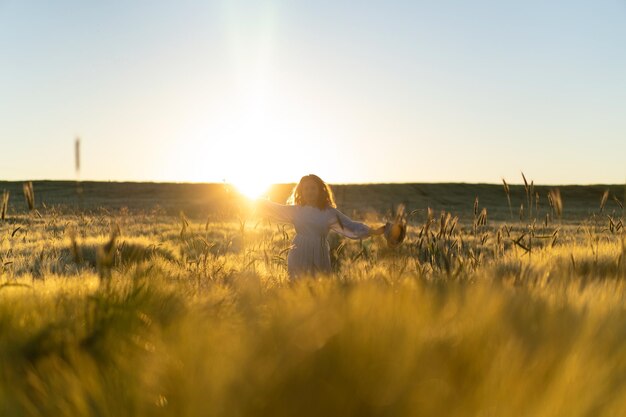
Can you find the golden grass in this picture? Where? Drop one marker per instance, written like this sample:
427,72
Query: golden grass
154,315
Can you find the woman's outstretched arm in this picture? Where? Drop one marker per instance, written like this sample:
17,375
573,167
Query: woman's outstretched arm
279,212
347,227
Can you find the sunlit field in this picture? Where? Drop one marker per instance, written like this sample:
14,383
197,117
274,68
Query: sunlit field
174,300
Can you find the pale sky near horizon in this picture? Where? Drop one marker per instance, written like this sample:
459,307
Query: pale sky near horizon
268,91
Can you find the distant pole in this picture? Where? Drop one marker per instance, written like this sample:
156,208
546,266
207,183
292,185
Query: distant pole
77,156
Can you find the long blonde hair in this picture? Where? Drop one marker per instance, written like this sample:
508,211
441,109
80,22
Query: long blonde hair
325,198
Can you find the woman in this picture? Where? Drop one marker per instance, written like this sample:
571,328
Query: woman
313,213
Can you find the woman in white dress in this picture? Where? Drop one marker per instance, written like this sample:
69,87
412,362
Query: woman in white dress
313,213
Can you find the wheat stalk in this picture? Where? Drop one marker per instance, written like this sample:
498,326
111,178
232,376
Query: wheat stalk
531,193
554,197
105,256
5,204
507,191
482,218
528,189
75,248
29,195
536,203
603,201
476,206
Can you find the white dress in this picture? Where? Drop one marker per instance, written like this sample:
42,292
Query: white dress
310,253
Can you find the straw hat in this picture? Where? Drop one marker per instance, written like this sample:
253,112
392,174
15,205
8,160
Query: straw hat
395,231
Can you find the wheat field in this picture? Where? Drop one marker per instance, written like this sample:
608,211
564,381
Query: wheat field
514,308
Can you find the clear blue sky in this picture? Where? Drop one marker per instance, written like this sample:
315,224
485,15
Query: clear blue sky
360,91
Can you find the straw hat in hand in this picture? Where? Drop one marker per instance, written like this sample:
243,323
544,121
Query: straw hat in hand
395,231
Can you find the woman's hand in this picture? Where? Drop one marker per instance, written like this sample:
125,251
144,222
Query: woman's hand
378,231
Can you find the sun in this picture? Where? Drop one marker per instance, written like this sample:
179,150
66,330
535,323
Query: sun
251,188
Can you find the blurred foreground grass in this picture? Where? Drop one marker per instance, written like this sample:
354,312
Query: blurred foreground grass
192,318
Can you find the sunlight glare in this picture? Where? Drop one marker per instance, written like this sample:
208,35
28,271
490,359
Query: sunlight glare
251,188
